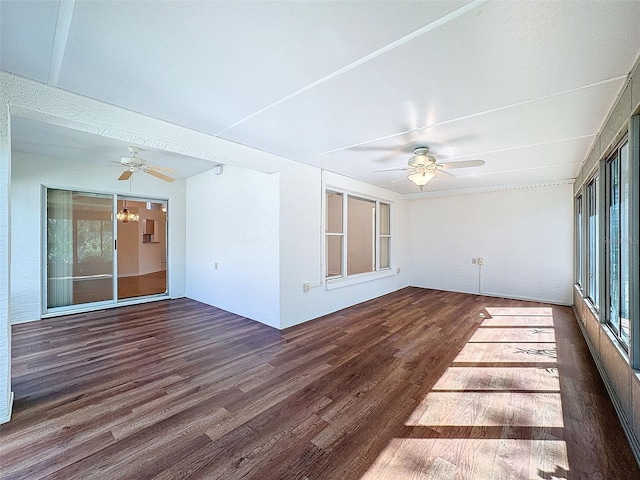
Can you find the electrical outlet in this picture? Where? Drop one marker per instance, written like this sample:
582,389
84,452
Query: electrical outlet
398,270
474,261
480,261
215,265
305,287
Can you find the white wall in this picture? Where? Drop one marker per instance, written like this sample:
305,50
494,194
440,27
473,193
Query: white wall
6,396
525,237
29,173
233,222
128,247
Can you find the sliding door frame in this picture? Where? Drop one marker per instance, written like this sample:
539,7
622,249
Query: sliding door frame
46,311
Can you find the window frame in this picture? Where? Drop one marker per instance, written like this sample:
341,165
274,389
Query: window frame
592,242
615,325
345,278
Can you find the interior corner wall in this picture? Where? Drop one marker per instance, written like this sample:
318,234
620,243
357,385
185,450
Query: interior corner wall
29,173
524,236
232,257
301,246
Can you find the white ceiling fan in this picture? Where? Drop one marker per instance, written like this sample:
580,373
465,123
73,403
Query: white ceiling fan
423,166
135,164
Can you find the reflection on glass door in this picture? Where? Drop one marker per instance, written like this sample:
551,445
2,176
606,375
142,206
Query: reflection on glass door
79,248
142,247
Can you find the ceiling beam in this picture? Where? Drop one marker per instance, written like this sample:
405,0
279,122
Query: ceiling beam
63,25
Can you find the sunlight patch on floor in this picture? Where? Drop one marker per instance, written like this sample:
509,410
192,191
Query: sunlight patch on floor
499,378
496,412
507,352
520,311
455,409
519,334
477,459
519,321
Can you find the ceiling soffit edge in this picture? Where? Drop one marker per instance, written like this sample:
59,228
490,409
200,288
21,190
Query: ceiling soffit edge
490,189
50,104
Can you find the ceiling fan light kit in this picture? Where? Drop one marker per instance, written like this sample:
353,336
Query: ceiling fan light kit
421,176
423,166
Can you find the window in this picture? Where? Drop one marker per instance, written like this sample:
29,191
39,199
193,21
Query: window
593,243
385,235
618,242
357,235
334,237
578,238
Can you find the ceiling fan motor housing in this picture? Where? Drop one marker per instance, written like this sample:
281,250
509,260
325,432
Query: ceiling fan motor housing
421,158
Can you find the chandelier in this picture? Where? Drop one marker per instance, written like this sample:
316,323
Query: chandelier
125,216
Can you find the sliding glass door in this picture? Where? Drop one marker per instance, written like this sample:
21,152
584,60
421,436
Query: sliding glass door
101,249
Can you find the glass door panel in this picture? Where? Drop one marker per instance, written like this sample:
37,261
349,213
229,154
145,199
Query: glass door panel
79,229
142,247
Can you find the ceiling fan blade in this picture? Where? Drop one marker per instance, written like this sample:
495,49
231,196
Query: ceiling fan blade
162,169
395,169
463,164
401,179
159,175
439,171
125,175
364,148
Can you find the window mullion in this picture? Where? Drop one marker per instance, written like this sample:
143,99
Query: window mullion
345,233
376,238
603,232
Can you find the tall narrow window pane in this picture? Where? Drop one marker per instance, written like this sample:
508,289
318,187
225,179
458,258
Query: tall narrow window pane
79,248
578,238
334,222
625,198
613,243
593,242
361,227
334,256
385,235
385,224
334,236
384,252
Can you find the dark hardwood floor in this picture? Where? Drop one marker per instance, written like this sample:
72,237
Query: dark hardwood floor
413,385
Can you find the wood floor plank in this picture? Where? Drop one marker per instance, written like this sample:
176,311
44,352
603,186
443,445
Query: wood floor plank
417,384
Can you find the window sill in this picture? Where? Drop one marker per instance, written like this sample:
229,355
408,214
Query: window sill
356,279
615,341
595,311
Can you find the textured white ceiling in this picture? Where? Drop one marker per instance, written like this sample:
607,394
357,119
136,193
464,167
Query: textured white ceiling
350,87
